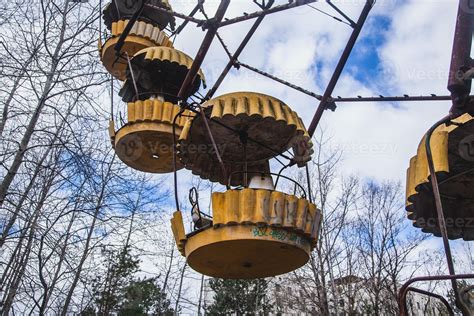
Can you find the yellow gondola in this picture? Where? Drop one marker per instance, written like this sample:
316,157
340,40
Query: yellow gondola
145,142
453,154
255,233
142,35
146,32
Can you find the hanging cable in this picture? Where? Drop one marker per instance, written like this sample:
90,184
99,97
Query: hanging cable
214,145
308,180
112,117
175,160
332,16
353,24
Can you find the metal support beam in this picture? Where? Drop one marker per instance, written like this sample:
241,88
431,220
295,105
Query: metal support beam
206,43
323,105
185,22
237,53
333,100
459,87
290,5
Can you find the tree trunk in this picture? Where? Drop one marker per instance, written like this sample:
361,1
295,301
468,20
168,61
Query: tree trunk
85,253
38,168
180,288
13,288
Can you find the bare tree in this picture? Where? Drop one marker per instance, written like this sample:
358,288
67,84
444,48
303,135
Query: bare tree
314,286
58,67
385,244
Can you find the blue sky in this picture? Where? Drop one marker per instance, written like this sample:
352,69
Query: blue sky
365,63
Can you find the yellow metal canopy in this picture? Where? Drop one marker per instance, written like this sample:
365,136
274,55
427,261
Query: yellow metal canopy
453,155
159,70
262,118
121,9
142,35
256,233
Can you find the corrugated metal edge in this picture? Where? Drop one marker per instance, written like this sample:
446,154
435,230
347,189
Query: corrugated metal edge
108,19
168,54
177,227
142,29
267,208
156,111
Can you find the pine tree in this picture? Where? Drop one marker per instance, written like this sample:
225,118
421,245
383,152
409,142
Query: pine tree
142,297
120,269
122,294
241,297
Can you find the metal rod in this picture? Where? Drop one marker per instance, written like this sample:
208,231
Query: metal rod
340,66
286,83
132,75
128,28
439,208
348,99
112,117
329,15
402,294
178,15
217,35
461,60
351,22
185,22
206,43
254,15
439,297
246,168
308,179
175,161
214,145
279,174
391,99
224,46
237,53
249,138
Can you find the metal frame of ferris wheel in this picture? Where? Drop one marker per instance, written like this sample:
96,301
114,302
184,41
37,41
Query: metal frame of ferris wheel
460,76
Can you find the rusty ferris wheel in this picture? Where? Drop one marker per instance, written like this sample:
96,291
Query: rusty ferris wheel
252,220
